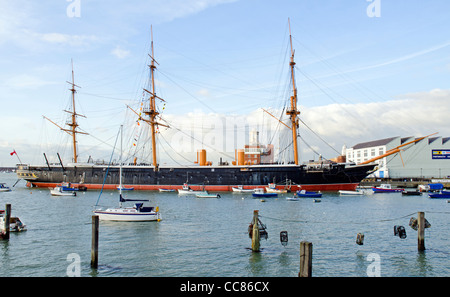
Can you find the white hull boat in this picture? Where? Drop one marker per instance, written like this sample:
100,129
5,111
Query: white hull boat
207,195
4,188
15,224
343,192
137,213
240,189
58,191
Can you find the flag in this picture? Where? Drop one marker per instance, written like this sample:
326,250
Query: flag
13,153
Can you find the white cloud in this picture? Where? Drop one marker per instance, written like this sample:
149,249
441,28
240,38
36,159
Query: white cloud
27,81
120,52
416,114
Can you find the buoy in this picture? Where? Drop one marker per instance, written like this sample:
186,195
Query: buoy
360,238
284,238
400,232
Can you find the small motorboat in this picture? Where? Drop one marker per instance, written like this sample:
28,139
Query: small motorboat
72,187
123,188
440,195
240,189
357,192
186,190
386,188
293,198
4,188
308,194
207,195
411,193
15,224
260,193
273,189
59,191
161,190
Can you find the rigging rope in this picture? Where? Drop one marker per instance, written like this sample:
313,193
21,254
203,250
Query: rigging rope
107,170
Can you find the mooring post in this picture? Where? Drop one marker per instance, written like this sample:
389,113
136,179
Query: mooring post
255,232
305,259
94,248
421,231
5,227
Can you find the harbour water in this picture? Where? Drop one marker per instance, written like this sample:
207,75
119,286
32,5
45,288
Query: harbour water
208,237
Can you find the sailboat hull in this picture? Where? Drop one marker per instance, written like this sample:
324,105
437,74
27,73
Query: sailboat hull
332,177
121,215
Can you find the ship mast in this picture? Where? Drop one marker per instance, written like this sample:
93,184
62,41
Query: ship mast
152,112
73,123
293,112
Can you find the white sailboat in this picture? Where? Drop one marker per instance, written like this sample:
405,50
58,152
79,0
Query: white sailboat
136,213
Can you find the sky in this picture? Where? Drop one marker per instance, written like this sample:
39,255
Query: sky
365,70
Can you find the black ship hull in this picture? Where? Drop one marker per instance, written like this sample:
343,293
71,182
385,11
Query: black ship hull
326,177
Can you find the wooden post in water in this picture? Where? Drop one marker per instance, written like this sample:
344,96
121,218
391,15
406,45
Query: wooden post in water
255,232
421,231
7,218
94,248
305,259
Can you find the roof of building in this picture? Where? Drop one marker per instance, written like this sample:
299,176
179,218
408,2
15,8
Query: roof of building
373,143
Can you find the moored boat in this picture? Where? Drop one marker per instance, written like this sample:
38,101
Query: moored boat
357,192
59,191
273,189
186,190
136,213
440,195
207,195
386,188
308,194
162,190
15,224
240,189
411,193
4,188
260,193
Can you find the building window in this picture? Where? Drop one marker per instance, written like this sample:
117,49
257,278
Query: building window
372,152
380,151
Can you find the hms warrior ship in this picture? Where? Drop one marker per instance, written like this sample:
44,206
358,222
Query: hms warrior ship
319,176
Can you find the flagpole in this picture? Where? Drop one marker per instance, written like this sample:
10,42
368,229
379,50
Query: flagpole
14,152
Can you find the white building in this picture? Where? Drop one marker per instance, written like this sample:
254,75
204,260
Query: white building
427,158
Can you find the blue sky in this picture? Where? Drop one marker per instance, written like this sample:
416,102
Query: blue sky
359,78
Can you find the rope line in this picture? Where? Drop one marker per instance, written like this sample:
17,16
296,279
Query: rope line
349,222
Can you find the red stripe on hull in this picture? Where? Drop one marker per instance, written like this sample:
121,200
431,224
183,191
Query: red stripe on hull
214,188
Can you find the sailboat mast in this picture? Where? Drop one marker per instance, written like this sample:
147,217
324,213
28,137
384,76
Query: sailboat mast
293,112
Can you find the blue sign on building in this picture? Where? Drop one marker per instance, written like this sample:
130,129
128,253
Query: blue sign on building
440,154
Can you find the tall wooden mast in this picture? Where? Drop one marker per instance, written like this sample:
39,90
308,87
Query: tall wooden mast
293,112
152,112
73,123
